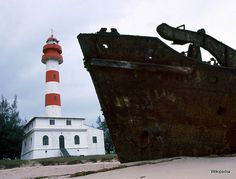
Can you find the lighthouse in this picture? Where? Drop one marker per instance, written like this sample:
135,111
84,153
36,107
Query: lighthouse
52,58
53,135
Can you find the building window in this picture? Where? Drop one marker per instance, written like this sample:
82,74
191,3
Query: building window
52,122
68,122
45,140
94,139
76,138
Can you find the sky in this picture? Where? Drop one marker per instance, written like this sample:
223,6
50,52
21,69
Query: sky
25,26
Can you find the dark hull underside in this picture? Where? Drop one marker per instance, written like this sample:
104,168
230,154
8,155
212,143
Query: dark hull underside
159,103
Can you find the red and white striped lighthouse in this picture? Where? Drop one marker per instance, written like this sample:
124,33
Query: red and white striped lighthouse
52,58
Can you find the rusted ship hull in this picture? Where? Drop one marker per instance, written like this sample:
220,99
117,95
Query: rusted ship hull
157,102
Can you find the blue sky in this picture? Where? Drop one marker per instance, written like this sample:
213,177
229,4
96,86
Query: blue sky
25,26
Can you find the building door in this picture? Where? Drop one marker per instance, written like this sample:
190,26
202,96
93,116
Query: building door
61,142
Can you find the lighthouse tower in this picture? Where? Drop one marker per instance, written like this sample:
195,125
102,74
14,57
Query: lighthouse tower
52,58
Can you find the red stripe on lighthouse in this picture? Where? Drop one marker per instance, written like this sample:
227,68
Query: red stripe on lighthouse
52,75
52,55
52,99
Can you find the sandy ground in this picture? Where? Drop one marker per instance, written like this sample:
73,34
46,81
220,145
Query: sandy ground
57,171
179,167
183,168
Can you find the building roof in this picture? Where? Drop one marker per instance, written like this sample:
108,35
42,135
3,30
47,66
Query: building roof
58,118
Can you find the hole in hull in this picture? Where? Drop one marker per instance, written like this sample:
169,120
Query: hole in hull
105,46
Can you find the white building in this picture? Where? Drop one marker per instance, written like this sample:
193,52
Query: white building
60,136
54,135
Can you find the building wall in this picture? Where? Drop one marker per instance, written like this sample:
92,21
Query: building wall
32,146
59,123
27,146
98,147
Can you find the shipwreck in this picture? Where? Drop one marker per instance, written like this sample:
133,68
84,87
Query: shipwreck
161,103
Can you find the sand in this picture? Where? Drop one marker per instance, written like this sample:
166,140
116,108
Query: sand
172,168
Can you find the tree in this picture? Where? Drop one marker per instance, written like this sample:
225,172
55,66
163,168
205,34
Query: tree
109,147
11,129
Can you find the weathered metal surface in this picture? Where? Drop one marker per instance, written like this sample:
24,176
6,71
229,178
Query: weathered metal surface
158,102
139,66
224,54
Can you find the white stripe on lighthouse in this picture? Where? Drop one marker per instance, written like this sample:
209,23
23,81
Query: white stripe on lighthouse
52,65
52,87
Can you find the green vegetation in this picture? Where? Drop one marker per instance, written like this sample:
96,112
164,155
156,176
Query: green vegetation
11,130
4,164
12,163
109,147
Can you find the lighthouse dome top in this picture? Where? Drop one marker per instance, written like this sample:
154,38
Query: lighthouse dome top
52,40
